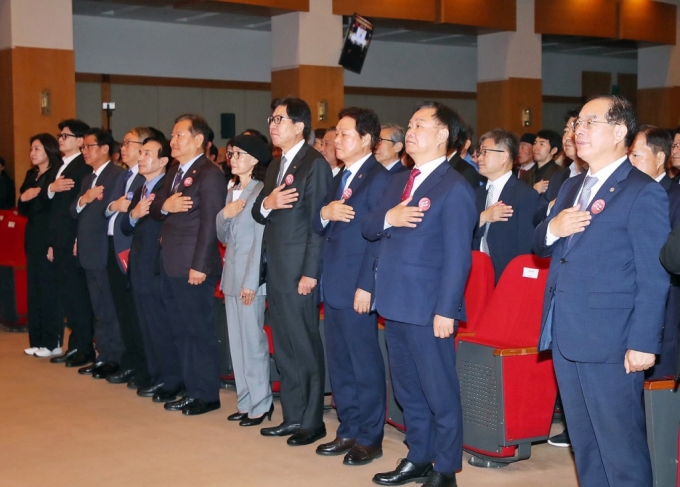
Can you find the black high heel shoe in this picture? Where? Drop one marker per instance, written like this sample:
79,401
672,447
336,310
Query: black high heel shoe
248,421
238,416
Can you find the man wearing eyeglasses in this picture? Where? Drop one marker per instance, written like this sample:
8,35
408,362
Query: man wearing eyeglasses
294,188
390,148
93,248
605,296
72,291
506,205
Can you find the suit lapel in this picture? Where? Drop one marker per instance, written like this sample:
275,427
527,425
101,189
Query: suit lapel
295,163
430,182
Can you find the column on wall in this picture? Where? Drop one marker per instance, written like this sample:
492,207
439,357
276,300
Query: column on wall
509,76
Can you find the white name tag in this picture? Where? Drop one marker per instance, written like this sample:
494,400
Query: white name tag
530,273
10,224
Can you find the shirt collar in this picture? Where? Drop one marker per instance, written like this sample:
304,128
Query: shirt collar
603,174
134,169
391,165
527,166
187,165
101,168
499,182
290,155
429,167
70,158
660,177
357,165
150,184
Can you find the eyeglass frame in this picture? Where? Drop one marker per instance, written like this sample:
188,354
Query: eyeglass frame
281,118
483,150
231,154
85,147
126,143
587,122
675,145
63,136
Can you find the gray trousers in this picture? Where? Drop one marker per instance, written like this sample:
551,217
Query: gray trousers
249,354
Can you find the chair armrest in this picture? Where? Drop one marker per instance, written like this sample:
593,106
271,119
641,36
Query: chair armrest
513,352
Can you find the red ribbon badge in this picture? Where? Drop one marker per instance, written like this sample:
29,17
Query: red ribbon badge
424,204
188,182
289,180
597,207
347,194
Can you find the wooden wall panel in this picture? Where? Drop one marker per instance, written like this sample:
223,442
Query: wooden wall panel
595,83
659,106
422,10
648,21
628,86
247,7
594,18
489,14
6,110
501,103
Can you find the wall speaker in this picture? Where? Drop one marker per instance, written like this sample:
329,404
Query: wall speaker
227,125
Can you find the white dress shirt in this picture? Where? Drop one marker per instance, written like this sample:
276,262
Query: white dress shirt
67,161
498,186
111,215
353,170
289,156
391,165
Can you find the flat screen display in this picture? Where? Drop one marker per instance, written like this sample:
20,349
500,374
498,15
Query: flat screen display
356,44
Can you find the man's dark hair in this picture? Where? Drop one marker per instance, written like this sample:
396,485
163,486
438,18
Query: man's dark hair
464,135
77,127
198,127
677,130
658,140
256,133
211,135
319,133
620,112
572,113
214,152
103,137
445,116
157,133
297,110
504,139
366,122
51,147
115,147
164,150
553,138
2,161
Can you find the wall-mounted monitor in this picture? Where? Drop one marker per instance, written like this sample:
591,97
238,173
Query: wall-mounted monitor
356,44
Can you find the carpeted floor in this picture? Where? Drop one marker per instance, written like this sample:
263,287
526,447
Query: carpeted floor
61,429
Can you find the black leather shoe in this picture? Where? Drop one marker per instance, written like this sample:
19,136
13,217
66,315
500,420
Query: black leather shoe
404,473
307,436
120,377
104,370
438,479
237,416
167,395
149,391
284,429
199,406
248,421
362,455
179,404
338,446
79,359
87,370
63,358
136,382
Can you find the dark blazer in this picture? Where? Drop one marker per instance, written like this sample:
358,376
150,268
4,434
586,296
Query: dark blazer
188,239
63,227
7,191
93,243
37,210
422,271
291,247
397,168
673,191
468,172
550,194
606,284
509,239
122,242
143,259
348,258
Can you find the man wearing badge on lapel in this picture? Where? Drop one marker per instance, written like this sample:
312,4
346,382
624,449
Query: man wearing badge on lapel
190,263
424,222
294,188
605,296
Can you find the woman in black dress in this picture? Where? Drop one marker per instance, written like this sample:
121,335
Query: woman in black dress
45,322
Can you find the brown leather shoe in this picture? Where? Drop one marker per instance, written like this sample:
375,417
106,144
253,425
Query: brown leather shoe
361,455
336,447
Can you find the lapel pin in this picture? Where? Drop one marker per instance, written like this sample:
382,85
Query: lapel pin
424,204
129,195
347,194
289,179
193,172
597,206
611,190
360,176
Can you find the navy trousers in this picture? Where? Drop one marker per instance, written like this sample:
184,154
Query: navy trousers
109,342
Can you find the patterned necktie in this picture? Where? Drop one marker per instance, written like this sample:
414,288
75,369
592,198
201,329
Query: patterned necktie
176,181
409,185
484,244
282,171
584,199
94,180
145,192
341,189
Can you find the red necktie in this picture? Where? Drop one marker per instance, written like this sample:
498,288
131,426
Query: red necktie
521,172
409,185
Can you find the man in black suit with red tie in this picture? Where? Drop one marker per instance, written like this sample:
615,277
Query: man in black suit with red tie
190,264
294,189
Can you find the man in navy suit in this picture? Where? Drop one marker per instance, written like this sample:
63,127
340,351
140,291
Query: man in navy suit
355,364
505,204
605,296
390,148
424,222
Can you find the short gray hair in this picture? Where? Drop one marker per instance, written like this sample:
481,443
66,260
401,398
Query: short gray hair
397,134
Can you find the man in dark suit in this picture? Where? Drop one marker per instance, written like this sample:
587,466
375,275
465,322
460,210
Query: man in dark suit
163,363
649,153
457,162
7,190
92,248
133,361
424,222
355,363
547,144
605,296
190,263
525,158
294,188
390,148
506,206
72,291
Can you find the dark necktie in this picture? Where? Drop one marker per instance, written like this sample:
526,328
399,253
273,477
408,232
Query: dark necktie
177,180
521,173
145,192
341,189
409,185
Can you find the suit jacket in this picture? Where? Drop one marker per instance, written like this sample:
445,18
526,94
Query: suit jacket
509,239
469,173
122,242
422,271
556,182
93,243
397,168
37,210
143,269
291,247
243,237
7,191
63,227
188,239
673,192
348,258
606,289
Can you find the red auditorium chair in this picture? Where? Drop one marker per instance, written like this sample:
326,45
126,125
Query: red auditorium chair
13,280
508,389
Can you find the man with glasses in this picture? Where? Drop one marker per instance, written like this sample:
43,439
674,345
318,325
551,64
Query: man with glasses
424,222
674,168
72,291
92,248
505,204
328,151
294,188
390,148
605,296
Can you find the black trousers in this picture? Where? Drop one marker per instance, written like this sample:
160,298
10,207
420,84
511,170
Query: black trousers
75,300
134,356
110,345
45,320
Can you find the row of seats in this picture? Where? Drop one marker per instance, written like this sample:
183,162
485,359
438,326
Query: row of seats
13,281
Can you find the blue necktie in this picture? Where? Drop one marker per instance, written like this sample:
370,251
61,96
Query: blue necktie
341,189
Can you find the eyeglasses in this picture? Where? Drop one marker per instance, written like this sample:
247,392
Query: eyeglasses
234,154
88,147
126,143
484,150
63,136
276,119
388,140
586,122
676,145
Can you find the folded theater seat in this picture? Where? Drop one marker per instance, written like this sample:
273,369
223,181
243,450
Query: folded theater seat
662,409
13,280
